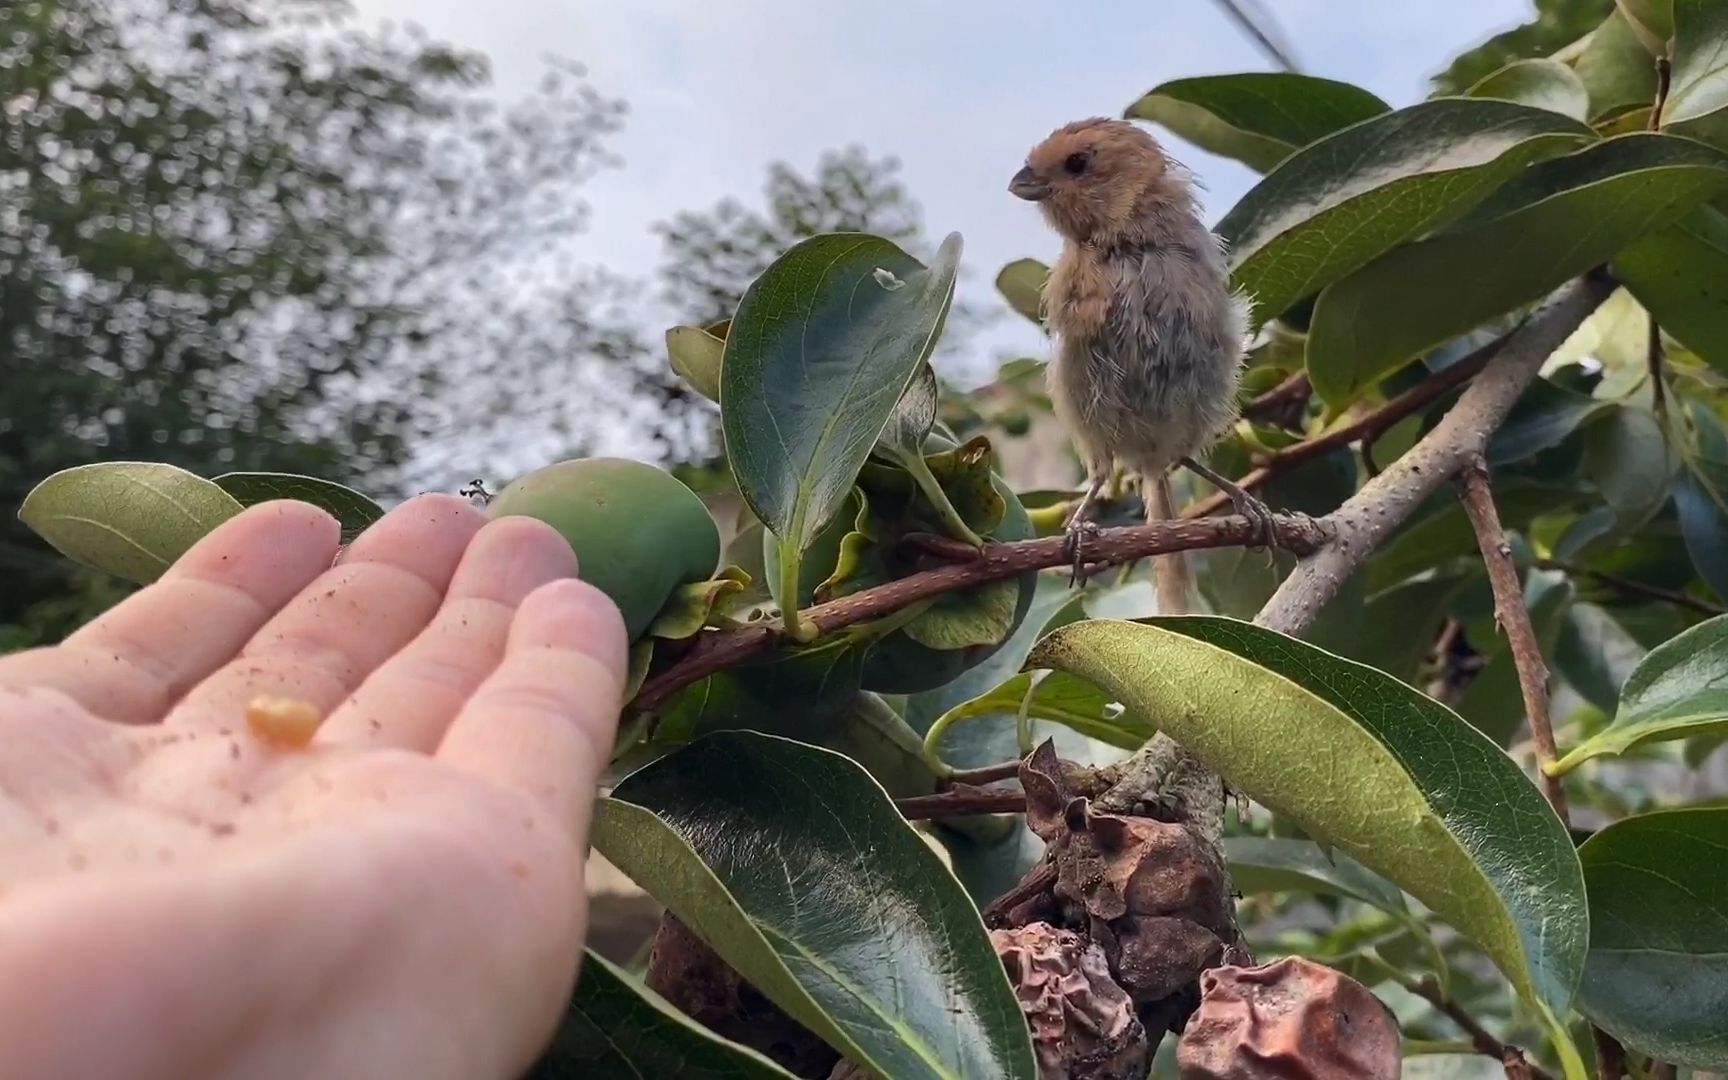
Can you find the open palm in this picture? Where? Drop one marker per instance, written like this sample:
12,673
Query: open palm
401,897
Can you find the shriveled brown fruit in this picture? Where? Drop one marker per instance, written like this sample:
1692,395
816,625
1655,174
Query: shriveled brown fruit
1292,1019
1083,1024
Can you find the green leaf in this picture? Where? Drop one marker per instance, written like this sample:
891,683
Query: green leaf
131,519
1543,417
1021,283
1554,221
695,355
692,605
1539,83
1270,864
1596,655
1365,764
1333,206
351,509
1257,118
1680,690
1616,69
617,1027
1652,19
1054,604
1557,27
739,833
1704,524
821,350
1681,274
1627,455
1697,103
1060,698
1657,978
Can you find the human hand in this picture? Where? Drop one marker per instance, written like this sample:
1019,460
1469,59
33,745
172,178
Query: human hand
401,897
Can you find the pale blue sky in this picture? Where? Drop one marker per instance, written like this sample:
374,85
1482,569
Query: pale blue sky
957,89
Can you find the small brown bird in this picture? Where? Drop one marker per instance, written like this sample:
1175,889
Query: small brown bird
1149,335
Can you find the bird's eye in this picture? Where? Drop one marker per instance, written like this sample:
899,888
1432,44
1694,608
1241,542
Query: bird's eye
1077,164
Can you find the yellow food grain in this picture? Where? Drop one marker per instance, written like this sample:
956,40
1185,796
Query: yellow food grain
287,722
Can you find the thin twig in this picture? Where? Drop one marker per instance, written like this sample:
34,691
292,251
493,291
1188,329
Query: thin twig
1653,348
1383,503
1638,589
1513,616
1294,389
961,802
715,650
986,774
1368,427
1481,1038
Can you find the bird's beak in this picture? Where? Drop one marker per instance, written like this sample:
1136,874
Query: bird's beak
1028,187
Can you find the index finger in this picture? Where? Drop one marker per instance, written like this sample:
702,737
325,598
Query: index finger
131,663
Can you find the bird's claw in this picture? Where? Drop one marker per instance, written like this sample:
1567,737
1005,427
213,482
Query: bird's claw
1078,532
1260,516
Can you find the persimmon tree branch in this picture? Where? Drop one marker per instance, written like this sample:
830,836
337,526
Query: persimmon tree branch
1513,617
1383,503
715,650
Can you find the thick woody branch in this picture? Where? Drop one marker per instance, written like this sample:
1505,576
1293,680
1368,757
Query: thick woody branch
719,649
1386,501
1513,617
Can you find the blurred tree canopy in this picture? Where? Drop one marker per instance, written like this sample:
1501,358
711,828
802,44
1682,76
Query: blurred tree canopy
241,234
711,256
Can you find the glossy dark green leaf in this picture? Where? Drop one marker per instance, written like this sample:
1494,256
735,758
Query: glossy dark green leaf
1444,532
1547,225
1270,864
1679,691
1539,83
1365,764
616,1027
1704,523
1258,118
1681,275
1595,655
1701,497
1657,978
1628,458
351,509
131,519
1333,206
822,348
1544,416
1697,104
1617,70
794,866
1021,283
695,355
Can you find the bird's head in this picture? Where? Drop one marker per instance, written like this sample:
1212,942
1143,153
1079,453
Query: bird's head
1092,178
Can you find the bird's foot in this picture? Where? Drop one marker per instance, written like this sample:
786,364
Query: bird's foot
1078,532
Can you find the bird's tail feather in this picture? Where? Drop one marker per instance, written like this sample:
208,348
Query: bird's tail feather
1172,574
